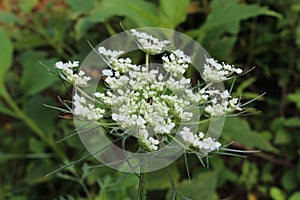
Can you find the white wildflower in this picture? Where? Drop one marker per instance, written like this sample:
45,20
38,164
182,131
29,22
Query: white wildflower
148,43
86,111
176,63
78,79
216,72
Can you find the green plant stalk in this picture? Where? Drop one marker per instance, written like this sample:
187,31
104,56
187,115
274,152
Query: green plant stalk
142,191
147,61
31,124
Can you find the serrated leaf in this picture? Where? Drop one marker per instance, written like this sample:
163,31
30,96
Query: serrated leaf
35,77
238,130
5,56
173,13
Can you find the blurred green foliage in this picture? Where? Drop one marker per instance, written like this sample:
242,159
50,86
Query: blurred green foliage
265,34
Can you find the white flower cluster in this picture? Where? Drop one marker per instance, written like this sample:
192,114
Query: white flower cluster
142,104
216,72
119,64
176,63
152,103
148,43
85,110
199,141
78,79
222,103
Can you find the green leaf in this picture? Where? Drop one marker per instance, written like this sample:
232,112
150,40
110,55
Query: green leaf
35,77
27,40
81,27
173,13
43,116
28,5
81,6
202,186
7,17
5,110
295,196
36,146
282,137
226,12
289,181
295,98
142,12
5,56
158,180
238,130
277,194
218,33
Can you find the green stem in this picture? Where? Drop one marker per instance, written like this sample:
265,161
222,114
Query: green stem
147,61
31,124
142,191
109,28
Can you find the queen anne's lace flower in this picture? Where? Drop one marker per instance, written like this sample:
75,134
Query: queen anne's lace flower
148,43
85,110
78,79
198,141
176,62
216,72
149,104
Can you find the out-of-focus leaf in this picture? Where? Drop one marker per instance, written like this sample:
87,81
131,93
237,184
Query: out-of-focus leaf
81,6
295,196
298,35
7,17
282,137
35,77
238,130
218,33
81,27
36,146
244,85
292,122
141,12
5,110
200,187
276,193
173,13
295,97
28,5
289,181
159,180
44,117
9,156
249,175
28,40
5,56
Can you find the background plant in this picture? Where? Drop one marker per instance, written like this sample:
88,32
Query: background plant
243,32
